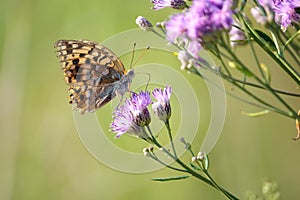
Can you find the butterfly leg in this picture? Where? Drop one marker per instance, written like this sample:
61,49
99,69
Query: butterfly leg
120,101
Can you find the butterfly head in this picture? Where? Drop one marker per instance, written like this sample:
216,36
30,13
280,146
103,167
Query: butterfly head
130,74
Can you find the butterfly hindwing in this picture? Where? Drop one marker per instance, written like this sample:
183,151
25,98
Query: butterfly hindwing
92,72
88,99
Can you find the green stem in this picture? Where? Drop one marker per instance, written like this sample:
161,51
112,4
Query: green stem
287,47
154,157
257,61
282,63
235,83
213,181
189,170
270,107
260,87
170,136
267,86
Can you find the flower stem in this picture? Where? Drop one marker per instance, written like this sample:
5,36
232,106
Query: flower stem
189,170
292,113
170,136
217,186
282,63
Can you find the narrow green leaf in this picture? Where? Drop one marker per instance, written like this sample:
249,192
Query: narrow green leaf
268,41
195,167
206,162
256,114
175,178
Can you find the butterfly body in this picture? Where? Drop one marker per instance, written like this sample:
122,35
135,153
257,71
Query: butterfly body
94,74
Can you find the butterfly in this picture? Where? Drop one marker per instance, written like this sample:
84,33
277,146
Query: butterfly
94,74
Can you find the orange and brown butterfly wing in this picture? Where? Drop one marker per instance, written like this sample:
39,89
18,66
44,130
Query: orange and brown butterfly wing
90,70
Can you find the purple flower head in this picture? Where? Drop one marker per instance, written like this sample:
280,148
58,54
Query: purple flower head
138,106
143,23
123,122
284,11
132,116
176,27
204,19
209,17
222,16
162,107
175,4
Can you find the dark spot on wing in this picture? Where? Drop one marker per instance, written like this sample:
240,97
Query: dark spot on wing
75,61
77,68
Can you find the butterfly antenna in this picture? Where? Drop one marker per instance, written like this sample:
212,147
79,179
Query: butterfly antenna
132,57
144,52
148,81
149,77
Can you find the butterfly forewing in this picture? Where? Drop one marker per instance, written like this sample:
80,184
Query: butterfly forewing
91,70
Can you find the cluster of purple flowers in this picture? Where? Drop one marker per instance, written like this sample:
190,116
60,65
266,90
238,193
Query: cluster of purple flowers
198,25
202,21
284,12
134,115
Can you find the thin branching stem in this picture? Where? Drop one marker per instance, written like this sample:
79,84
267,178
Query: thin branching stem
189,170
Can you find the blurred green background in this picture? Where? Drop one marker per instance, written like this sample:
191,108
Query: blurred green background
41,156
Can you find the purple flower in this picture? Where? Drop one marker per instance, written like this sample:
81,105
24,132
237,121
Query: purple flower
132,116
208,17
175,4
222,15
284,11
162,107
176,27
202,22
143,23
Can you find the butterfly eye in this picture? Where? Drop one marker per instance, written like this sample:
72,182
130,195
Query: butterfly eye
116,76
